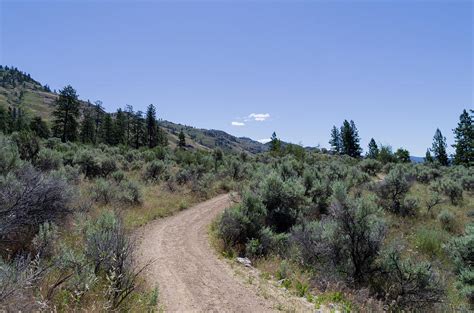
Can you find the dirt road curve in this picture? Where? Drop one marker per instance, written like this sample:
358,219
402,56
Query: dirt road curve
190,276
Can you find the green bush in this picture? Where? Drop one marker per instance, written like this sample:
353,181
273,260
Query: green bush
429,241
130,192
284,200
408,284
370,166
154,171
393,189
9,156
102,191
452,189
447,220
461,250
48,160
28,145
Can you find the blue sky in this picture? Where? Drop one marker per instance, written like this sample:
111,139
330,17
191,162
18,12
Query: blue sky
399,69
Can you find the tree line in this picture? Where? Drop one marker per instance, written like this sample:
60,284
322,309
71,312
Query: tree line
92,126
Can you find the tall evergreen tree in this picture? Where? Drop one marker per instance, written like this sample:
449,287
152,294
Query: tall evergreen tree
336,141
439,148
87,133
39,127
373,152
129,114
3,120
350,139
138,133
108,130
182,139
66,114
275,144
98,119
428,156
464,140
120,127
151,127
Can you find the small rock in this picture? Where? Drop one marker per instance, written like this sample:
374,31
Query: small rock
244,261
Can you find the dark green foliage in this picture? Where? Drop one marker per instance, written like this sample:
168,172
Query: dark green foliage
461,250
464,140
275,144
151,127
439,148
28,145
65,115
373,152
182,140
108,130
335,142
283,201
120,127
9,156
402,155
87,133
428,156
386,155
154,171
48,160
370,166
350,139
39,127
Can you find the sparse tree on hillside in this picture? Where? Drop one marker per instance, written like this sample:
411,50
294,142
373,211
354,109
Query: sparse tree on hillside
439,148
66,114
335,142
464,140
373,150
87,128
151,127
138,130
182,139
275,144
120,127
99,117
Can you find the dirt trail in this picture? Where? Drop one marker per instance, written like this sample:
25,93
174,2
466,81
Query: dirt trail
189,274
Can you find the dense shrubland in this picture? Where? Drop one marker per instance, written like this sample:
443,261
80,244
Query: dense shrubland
393,234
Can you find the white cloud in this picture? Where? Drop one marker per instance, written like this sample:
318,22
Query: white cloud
238,124
264,140
259,117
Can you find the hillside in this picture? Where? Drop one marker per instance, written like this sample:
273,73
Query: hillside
18,89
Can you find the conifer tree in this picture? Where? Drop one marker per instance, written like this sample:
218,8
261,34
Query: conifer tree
350,139
138,130
66,114
402,155
87,133
182,139
120,127
428,156
464,140
439,148
98,119
335,142
129,114
373,149
275,144
108,130
151,127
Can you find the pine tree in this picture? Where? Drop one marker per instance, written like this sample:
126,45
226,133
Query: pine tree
151,127
138,133
464,140
350,139
87,133
40,128
98,119
335,142
275,144
428,157
128,123
3,120
373,149
66,114
182,139
439,148
108,130
120,127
